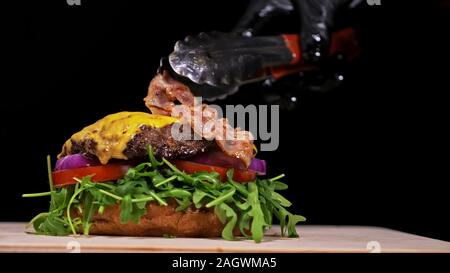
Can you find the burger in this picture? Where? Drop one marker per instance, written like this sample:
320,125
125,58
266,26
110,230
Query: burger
128,175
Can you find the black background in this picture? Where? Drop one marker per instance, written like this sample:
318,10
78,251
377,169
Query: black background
372,152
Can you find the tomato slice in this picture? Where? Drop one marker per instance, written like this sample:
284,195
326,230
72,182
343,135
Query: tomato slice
192,167
114,171
102,173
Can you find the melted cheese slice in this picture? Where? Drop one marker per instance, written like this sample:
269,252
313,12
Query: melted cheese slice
113,132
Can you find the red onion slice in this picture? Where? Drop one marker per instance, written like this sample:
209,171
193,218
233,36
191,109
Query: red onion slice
218,158
258,165
75,161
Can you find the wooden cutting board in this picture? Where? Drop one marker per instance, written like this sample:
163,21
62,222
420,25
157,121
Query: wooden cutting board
312,239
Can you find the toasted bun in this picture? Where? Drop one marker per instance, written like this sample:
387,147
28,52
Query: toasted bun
159,221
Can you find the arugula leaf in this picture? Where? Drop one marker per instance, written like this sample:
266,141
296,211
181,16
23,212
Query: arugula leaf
279,186
53,224
283,201
38,220
293,220
176,193
126,209
239,187
155,163
183,204
244,225
267,192
198,196
224,197
242,206
221,214
89,209
258,223
227,212
213,178
60,199
267,209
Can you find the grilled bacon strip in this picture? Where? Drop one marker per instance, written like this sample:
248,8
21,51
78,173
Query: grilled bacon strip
164,92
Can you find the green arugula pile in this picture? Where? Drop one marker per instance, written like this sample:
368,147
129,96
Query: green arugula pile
249,206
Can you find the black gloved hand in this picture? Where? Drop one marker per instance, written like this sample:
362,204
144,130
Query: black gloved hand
317,21
227,59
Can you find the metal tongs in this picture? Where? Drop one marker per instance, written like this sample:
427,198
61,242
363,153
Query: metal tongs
214,65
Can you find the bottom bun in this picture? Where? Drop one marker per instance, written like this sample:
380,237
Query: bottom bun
160,221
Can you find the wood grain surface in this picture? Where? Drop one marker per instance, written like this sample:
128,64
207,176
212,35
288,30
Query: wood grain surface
13,238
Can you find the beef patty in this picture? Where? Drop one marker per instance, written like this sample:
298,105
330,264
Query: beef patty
160,139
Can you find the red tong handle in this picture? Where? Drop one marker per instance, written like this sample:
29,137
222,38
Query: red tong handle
342,41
